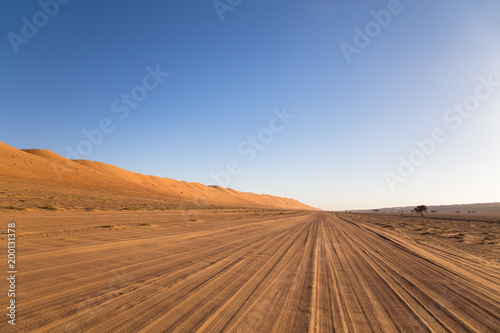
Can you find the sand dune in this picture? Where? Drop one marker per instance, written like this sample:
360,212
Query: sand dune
28,167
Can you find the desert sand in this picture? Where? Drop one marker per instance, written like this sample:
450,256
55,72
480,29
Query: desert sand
100,249
243,271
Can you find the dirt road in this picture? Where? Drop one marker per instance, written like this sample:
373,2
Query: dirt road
307,272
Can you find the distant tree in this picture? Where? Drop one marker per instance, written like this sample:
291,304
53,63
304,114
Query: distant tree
376,210
458,212
434,211
422,209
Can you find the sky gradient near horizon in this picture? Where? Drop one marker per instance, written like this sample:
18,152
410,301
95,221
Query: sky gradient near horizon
338,105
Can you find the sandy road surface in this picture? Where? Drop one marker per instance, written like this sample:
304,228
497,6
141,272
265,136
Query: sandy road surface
294,273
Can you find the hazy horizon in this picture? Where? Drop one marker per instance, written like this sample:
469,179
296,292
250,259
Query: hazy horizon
341,106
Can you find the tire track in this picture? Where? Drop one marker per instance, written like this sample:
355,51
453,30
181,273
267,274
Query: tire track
312,272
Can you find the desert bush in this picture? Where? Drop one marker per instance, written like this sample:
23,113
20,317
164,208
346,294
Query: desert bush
13,207
131,208
50,207
422,209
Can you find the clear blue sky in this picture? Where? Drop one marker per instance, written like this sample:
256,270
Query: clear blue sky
355,121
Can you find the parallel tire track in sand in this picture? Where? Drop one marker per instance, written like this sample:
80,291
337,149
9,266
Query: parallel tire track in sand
311,272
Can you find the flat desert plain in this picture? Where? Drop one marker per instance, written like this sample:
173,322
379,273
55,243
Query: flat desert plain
250,270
